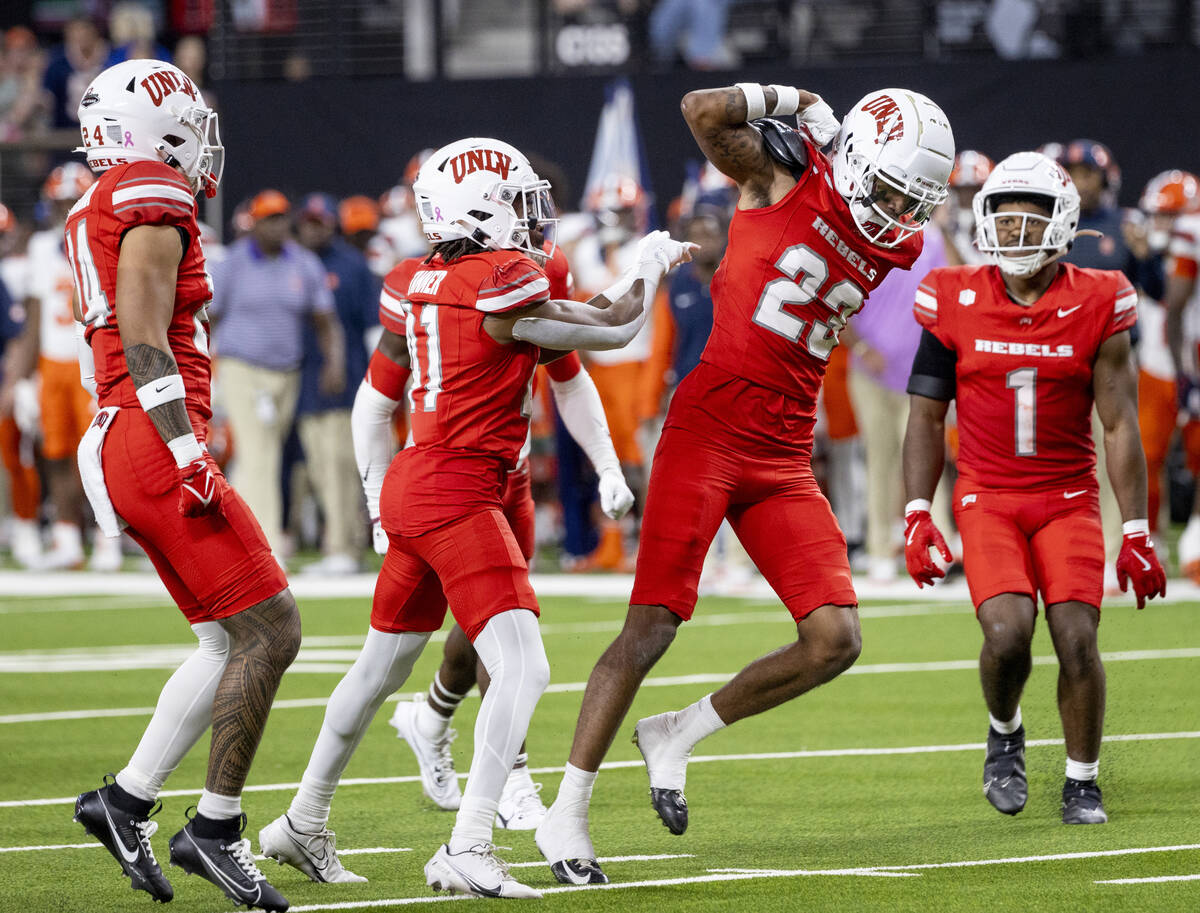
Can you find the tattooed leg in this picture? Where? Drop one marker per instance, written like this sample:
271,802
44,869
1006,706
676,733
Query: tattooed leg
264,640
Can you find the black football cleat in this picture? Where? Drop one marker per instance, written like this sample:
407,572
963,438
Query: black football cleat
671,807
578,871
228,862
1004,782
1082,803
127,836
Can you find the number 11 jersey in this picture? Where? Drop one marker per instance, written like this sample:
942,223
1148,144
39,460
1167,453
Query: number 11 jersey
1024,374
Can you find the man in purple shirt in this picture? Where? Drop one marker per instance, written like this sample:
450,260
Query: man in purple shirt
882,343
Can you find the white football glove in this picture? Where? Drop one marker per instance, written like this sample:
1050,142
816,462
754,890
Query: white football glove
379,539
659,247
819,120
615,496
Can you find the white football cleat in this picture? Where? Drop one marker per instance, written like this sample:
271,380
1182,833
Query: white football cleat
521,807
313,854
1189,549
563,839
666,763
438,778
477,871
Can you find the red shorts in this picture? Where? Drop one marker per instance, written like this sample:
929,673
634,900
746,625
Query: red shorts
213,567
519,508
774,506
474,562
1032,541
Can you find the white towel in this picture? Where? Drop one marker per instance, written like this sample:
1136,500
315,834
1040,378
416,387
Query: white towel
91,471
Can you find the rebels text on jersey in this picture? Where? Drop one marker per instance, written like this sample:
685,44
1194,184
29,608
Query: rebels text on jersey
124,197
469,392
1024,374
792,276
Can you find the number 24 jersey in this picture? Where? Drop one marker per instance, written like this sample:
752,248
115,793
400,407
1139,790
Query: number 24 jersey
1024,374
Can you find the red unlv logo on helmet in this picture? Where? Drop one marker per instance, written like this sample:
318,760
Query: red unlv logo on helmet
162,83
887,117
480,160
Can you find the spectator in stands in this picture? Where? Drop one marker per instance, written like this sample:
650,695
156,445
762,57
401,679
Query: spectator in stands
21,99
191,56
73,65
695,28
324,418
881,354
133,34
265,290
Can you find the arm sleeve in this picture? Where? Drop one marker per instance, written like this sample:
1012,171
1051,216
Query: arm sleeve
582,412
371,430
515,284
933,369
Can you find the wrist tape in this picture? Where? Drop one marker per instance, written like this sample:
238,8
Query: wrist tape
917,504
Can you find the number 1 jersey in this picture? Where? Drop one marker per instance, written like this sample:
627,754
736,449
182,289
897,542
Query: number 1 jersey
1024,374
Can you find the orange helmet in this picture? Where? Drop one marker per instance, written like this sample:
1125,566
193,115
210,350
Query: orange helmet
971,169
67,183
1172,192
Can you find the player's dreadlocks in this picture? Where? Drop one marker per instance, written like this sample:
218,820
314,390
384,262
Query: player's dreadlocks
452,250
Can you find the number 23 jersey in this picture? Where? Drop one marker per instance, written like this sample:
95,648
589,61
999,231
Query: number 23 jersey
1024,374
793,274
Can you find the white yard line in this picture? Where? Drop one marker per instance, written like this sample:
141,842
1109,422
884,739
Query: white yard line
53,846
666,681
719,875
1156,880
696,759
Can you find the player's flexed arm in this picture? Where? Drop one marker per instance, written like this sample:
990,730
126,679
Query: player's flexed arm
146,278
720,121
1115,389
931,387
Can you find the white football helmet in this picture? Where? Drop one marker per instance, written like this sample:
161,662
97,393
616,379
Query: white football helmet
485,190
893,140
151,111
1027,175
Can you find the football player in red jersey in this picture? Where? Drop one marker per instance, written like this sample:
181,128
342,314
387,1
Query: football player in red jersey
469,324
810,238
1026,345
141,285
424,722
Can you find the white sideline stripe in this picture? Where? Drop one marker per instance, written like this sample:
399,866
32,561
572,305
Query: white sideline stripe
747,875
654,857
362,851
53,846
1156,880
697,759
666,681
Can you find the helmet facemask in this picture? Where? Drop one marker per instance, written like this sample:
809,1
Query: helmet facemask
533,215
205,173
889,226
1027,256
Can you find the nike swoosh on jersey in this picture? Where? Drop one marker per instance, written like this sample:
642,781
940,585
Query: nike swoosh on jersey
1074,494
1062,313
132,857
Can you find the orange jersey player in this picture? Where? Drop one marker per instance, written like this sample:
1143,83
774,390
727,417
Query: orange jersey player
468,324
140,279
1026,346
811,237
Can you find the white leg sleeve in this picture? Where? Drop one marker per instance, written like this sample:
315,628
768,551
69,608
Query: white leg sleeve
382,667
183,713
511,649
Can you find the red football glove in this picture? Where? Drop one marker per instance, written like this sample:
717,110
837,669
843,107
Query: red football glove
1138,564
201,488
920,535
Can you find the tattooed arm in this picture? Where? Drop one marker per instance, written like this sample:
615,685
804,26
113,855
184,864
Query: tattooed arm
717,119
146,275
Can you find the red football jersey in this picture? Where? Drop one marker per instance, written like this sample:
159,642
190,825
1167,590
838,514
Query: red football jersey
140,193
1024,374
468,392
792,276
558,271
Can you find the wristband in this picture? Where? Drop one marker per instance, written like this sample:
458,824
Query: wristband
186,450
787,100
161,390
917,504
1135,528
756,102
